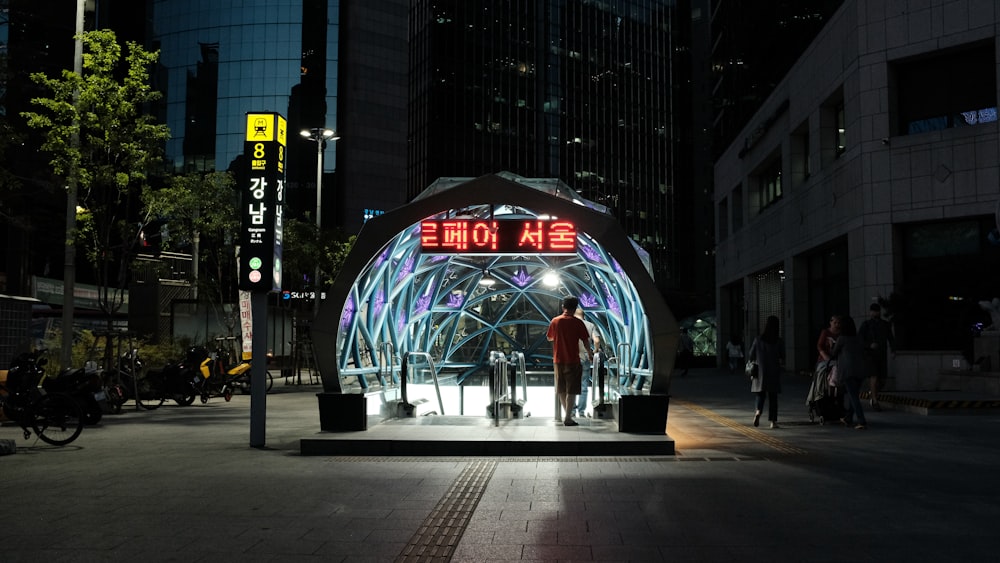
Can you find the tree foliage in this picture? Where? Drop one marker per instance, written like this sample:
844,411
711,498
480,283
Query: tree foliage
203,208
305,247
99,136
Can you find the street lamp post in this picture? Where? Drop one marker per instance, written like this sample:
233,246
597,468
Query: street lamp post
320,135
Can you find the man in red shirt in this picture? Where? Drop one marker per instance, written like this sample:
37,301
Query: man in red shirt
566,332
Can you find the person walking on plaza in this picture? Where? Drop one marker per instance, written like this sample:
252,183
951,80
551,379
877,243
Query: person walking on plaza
588,376
735,352
769,353
685,352
876,337
827,337
849,354
566,333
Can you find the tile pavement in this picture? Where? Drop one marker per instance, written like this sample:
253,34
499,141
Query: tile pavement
182,484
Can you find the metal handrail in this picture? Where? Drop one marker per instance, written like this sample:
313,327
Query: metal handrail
388,352
499,376
598,373
437,386
624,351
522,371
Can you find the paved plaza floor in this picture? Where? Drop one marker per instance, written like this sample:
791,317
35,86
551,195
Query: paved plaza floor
182,484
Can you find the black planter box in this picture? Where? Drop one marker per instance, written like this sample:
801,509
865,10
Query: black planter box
643,414
340,412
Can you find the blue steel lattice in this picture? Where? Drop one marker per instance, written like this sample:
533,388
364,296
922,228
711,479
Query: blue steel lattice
436,304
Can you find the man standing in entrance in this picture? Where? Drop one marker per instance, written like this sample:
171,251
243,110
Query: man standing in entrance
566,333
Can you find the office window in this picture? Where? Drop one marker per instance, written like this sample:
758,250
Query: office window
833,127
737,204
840,138
769,183
800,169
723,219
949,89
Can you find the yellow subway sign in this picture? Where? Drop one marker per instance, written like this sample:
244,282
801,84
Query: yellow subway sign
267,127
262,203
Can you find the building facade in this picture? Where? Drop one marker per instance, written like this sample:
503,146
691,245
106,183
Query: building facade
746,69
869,175
579,91
30,41
330,64
219,62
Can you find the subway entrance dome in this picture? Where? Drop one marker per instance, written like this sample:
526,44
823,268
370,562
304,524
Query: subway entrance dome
472,270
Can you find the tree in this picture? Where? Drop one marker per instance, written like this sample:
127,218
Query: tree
197,208
119,148
305,247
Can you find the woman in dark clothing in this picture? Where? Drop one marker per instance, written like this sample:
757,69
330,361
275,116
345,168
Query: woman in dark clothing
849,352
769,352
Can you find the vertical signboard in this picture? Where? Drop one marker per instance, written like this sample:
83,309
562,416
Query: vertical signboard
262,203
246,325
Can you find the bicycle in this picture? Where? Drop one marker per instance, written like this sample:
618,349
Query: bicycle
54,417
148,390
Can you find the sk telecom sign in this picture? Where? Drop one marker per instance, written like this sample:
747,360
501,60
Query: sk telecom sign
497,236
262,199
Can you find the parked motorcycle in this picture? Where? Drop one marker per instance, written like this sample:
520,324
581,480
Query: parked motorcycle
85,386
26,371
177,380
236,374
54,417
206,382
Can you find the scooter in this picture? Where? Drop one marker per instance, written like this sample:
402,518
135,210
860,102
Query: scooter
205,382
236,374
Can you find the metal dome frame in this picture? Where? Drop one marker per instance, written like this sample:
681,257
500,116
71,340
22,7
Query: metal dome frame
389,291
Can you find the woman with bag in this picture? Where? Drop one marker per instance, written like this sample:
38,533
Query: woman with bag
849,354
827,338
769,353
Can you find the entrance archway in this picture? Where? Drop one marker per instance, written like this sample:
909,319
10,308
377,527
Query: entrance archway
388,291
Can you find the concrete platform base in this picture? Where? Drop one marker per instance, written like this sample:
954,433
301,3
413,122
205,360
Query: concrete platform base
474,436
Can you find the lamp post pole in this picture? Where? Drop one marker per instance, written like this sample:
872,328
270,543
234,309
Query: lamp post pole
320,135
69,253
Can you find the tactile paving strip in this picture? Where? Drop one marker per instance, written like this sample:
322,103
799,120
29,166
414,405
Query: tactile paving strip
751,433
440,533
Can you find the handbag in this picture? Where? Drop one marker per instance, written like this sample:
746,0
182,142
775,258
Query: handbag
751,369
833,380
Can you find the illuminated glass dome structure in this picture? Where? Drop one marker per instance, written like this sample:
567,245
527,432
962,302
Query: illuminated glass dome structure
390,295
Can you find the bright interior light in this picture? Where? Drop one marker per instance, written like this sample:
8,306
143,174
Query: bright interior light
487,279
551,279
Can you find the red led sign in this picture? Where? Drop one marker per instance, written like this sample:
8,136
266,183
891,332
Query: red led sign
493,236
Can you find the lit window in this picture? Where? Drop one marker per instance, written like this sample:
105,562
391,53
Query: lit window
841,130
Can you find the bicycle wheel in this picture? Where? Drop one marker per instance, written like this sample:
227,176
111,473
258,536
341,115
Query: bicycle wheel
150,396
186,398
267,388
57,419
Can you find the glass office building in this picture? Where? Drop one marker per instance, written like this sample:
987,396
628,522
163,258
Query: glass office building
220,60
336,64
579,91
